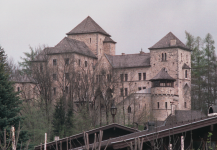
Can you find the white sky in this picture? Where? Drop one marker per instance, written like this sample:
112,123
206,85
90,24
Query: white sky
133,24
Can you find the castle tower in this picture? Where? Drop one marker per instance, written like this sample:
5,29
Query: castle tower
93,36
170,53
162,94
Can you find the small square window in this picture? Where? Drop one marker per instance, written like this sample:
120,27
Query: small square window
140,76
54,62
122,77
41,68
109,77
126,91
54,91
54,76
139,88
66,61
79,62
126,77
144,88
67,76
144,76
122,92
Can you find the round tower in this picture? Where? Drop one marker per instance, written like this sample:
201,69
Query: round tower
162,95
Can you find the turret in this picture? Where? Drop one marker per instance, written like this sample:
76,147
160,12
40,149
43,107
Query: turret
162,93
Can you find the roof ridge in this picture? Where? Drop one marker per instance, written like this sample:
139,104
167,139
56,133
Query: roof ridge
165,42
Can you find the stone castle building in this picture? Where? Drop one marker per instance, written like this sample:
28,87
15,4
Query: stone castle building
155,83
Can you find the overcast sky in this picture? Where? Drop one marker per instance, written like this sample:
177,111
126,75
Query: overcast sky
133,24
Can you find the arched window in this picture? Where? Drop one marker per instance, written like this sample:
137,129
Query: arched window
165,56
129,109
162,57
185,105
186,74
158,105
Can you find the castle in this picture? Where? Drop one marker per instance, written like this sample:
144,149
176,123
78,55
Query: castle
158,82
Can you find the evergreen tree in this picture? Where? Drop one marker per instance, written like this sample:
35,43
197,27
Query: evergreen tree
209,68
9,101
197,70
59,119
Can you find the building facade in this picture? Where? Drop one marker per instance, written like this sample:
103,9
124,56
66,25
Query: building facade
144,84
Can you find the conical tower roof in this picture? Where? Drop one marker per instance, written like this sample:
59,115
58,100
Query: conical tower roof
162,75
165,42
88,25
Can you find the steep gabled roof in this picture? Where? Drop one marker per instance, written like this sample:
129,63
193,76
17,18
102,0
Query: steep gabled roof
108,40
165,43
67,45
129,61
23,79
88,25
185,66
162,75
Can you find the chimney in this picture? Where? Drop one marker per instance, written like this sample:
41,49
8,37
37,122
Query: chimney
56,138
122,53
141,52
172,42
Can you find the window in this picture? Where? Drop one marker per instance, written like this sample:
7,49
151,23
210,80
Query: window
86,77
144,76
166,105
79,76
67,76
185,105
122,92
140,76
54,62
66,89
66,61
109,77
18,89
126,77
97,78
181,56
129,109
85,63
54,76
139,88
122,77
162,57
126,91
90,40
144,88
54,91
158,105
186,73
41,68
79,62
